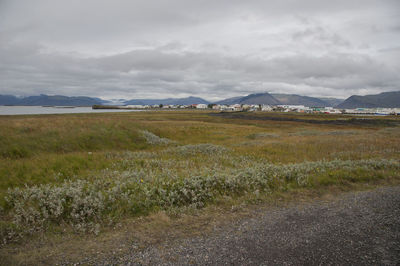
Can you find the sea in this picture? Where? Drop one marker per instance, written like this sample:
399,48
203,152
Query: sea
39,110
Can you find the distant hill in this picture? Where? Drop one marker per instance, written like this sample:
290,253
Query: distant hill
8,100
384,99
331,101
57,100
275,99
169,101
294,99
259,98
229,101
279,98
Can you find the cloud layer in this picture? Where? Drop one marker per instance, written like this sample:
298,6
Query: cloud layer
212,49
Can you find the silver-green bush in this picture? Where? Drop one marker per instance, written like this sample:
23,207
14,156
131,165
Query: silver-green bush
154,182
153,139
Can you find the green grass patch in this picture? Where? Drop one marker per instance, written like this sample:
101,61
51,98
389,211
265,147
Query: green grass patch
86,171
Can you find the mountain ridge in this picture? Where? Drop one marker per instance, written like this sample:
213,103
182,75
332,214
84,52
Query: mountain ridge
384,99
55,100
389,99
284,99
294,99
259,98
168,101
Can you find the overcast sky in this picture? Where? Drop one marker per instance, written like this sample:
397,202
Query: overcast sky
208,48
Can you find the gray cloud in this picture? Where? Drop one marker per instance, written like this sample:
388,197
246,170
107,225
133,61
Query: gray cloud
212,49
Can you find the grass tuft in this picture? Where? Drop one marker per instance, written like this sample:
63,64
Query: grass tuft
83,172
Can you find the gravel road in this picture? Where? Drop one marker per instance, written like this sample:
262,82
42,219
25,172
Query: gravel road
360,228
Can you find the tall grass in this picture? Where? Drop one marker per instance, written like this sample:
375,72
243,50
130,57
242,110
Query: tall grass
85,171
27,137
151,182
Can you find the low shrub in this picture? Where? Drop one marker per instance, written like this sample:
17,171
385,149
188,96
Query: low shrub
262,135
324,133
153,139
190,150
86,205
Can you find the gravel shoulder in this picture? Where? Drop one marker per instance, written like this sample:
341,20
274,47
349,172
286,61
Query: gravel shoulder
355,228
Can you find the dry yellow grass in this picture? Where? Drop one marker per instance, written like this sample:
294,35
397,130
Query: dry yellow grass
37,150
34,149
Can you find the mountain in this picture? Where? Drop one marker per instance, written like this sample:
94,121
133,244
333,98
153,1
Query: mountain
114,102
57,100
294,99
169,101
8,100
279,98
331,101
384,99
259,98
229,101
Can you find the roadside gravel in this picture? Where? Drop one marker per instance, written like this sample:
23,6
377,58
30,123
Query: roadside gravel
360,228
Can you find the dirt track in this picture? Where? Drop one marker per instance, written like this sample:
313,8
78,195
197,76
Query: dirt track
360,228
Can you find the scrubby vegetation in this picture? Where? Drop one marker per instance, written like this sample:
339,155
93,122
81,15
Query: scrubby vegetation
154,139
136,164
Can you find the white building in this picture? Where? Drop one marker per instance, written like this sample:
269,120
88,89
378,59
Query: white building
201,106
266,108
236,107
136,106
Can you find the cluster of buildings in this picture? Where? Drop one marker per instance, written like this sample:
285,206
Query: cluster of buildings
273,108
166,106
305,109
372,111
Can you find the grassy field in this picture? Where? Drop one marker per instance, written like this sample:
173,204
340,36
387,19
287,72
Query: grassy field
83,173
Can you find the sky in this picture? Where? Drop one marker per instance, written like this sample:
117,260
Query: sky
213,49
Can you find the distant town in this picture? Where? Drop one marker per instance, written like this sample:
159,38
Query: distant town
261,107
385,103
